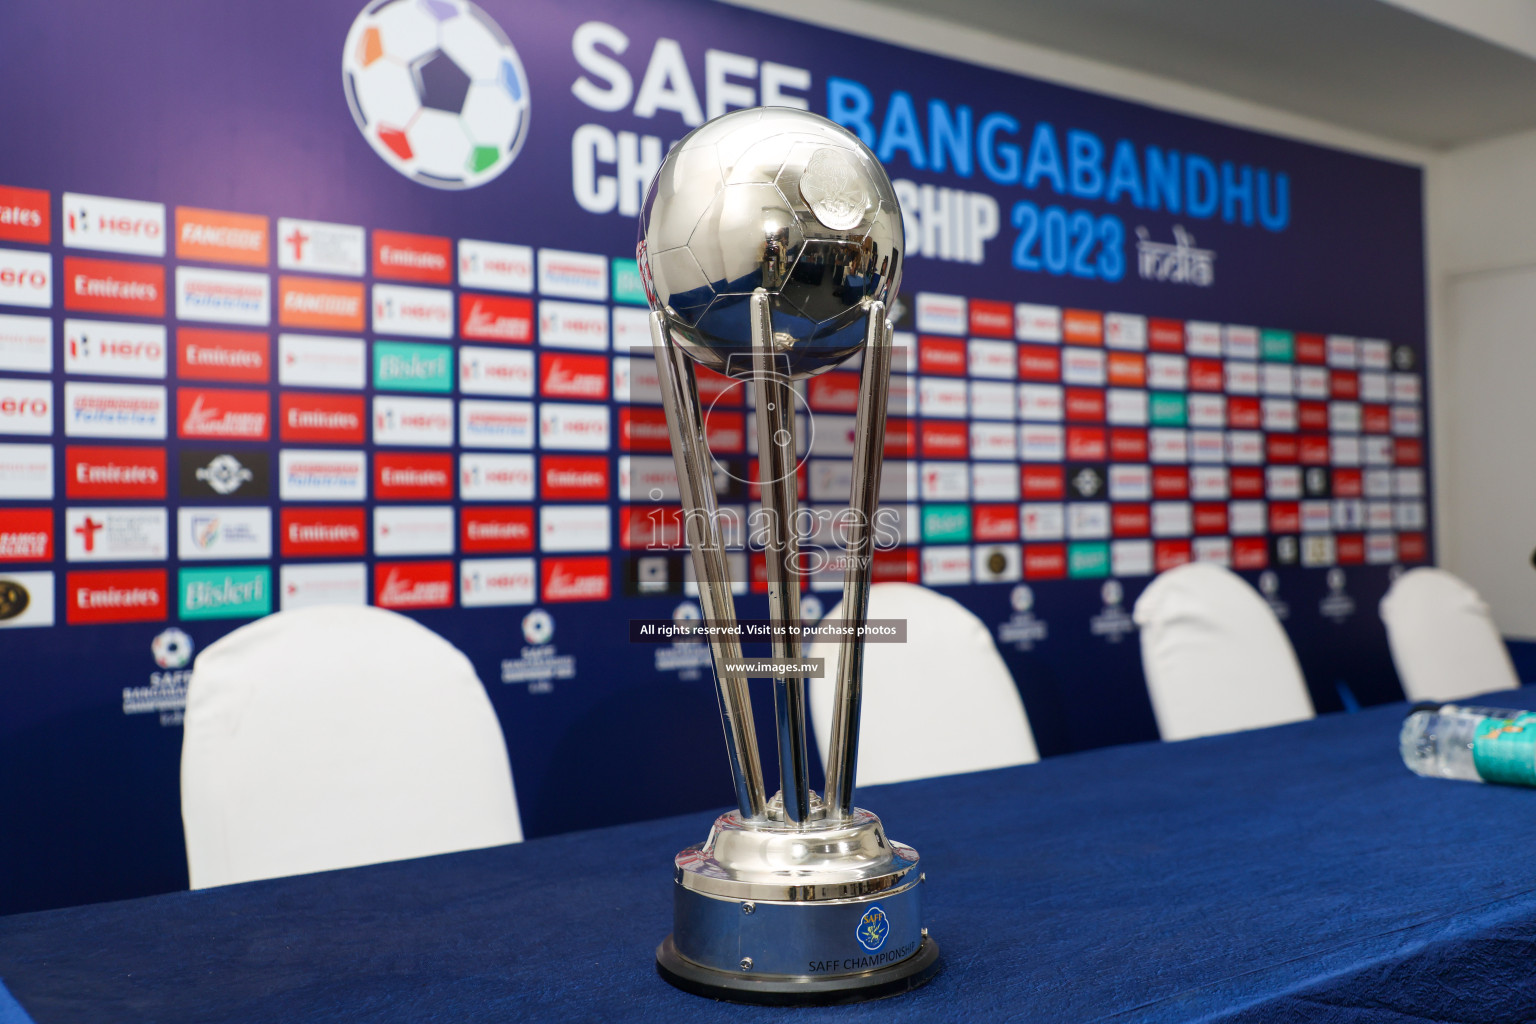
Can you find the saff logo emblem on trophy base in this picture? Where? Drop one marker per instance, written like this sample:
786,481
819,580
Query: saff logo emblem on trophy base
873,929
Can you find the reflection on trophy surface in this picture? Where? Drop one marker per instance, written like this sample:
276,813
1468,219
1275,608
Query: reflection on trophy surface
770,246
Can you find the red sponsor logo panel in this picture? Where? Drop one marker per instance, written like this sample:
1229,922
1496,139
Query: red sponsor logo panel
223,414
573,477
496,529
1043,483
942,356
1127,369
26,535
1086,444
1312,415
991,319
114,286
1284,517
643,430
1133,520
1412,547
1311,348
412,475
1281,448
495,318
1170,554
1348,483
112,472
309,532
1249,553
995,522
1313,451
897,565
1082,327
1085,405
1246,482
833,392
717,388
1127,444
575,579
238,357
945,440
1210,518
1165,335
1243,413
1045,561
308,416
24,215
1205,375
1343,384
320,302
1408,451
900,438
1376,419
116,595
650,527
562,375
1350,548
1039,363
399,256
755,492
413,584
726,433
1170,482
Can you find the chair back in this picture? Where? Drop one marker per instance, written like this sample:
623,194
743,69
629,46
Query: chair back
1215,657
335,736
1443,638
939,704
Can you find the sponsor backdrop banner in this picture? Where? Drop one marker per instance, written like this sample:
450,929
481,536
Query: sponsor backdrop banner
316,303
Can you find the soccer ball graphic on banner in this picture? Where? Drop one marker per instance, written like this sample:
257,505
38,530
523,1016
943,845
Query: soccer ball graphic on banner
437,90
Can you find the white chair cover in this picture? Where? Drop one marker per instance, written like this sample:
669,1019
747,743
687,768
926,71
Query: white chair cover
939,704
330,737
1443,639
1215,656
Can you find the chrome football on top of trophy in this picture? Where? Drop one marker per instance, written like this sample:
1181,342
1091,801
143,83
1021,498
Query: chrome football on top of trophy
770,246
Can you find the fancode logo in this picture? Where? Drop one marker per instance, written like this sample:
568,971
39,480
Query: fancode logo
321,417
491,529
225,593
114,472
309,532
403,366
216,236
575,579
413,584
319,303
137,595
239,357
26,535
24,215
405,257
223,296
412,475
495,318
228,415
574,376
110,286
114,225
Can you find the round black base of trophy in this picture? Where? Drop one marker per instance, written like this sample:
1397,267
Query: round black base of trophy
913,972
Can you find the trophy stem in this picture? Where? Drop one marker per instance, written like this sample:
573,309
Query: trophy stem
696,487
868,450
778,478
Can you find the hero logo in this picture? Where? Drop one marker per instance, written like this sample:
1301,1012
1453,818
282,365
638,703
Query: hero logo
576,579
114,225
494,371
26,278
114,349
485,582
426,421
484,477
573,275
495,265
26,407
236,415
573,325
413,584
421,312
579,427
495,318
569,376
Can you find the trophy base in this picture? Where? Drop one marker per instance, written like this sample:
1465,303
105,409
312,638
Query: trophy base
881,983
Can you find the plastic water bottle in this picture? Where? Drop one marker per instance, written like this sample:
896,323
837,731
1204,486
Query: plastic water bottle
1450,741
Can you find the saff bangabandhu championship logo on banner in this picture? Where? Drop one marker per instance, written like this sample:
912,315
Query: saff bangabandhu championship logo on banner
437,90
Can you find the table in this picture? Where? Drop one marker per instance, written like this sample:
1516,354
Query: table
1294,874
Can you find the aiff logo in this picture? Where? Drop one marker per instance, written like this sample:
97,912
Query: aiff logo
874,927
437,89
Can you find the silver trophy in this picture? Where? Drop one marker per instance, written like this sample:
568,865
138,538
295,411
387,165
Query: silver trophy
770,246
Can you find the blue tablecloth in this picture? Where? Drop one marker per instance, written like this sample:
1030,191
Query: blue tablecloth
1294,874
